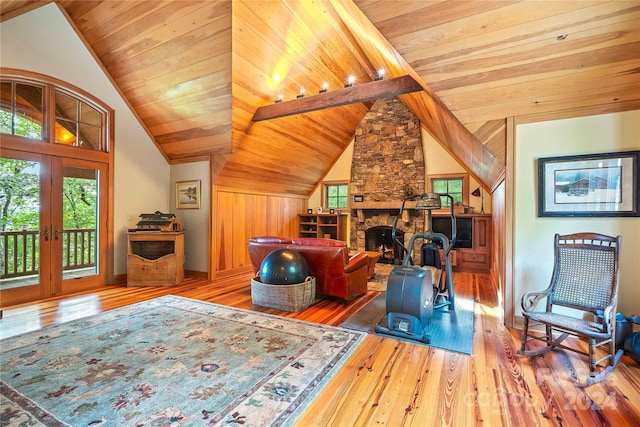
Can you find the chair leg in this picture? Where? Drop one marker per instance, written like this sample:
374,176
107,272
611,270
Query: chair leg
596,378
592,357
525,334
612,347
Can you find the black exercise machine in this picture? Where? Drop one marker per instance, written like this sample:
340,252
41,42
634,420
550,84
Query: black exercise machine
413,292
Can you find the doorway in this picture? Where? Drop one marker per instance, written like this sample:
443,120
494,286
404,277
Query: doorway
53,225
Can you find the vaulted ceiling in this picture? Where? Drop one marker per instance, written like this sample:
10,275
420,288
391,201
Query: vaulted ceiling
195,72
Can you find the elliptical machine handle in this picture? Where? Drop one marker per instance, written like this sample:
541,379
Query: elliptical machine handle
394,238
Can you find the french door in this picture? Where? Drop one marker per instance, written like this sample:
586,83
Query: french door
54,225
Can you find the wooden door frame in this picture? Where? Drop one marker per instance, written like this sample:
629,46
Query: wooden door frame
47,285
59,285
43,285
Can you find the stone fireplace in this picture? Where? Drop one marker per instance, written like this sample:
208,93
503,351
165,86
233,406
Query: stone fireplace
380,239
388,166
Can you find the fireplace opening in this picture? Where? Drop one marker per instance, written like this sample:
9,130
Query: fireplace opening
380,239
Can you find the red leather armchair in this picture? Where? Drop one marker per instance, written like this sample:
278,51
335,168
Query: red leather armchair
336,273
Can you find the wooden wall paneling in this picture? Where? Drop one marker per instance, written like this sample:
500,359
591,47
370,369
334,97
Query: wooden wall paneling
508,208
498,247
294,207
276,221
241,218
259,222
224,231
241,215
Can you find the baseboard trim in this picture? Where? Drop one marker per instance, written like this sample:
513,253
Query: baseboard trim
196,274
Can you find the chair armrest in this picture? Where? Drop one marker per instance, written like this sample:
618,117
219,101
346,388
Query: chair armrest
356,262
531,299
609,317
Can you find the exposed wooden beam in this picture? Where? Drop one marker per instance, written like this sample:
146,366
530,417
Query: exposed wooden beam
379,89
434,115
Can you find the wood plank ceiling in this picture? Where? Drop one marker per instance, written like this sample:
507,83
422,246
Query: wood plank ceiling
195,72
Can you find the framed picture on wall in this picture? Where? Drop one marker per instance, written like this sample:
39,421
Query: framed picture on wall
590,185
188,194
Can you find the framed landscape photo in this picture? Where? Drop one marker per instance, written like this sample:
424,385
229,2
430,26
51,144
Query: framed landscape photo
188,194
589,185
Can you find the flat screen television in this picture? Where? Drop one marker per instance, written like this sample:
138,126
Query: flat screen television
464,230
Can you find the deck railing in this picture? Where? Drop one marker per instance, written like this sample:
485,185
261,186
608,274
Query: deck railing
21,251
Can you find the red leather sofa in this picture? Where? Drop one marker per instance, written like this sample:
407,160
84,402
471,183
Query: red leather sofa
336,273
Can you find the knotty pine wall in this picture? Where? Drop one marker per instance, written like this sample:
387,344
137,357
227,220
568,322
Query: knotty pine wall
498,247
240,214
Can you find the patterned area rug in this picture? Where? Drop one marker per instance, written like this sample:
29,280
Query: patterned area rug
170,361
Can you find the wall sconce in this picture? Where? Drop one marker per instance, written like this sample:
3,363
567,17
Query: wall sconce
301,95
350,81
380,75
325,87
479,193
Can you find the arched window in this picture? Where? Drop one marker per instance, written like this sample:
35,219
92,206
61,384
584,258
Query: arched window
52,113
21,109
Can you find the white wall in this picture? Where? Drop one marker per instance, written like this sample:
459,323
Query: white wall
340,171
438,162
42,41
533,237
196,221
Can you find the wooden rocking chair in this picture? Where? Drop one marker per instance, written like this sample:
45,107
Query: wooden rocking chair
585,277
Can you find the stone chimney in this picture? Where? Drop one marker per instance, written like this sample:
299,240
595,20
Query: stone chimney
388,166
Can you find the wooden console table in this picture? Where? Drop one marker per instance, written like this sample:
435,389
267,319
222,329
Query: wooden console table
155,258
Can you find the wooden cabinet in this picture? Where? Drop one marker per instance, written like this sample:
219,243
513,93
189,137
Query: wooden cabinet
155,258
478,257
330,226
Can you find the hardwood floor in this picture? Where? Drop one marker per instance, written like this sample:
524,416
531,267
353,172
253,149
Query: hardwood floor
396,383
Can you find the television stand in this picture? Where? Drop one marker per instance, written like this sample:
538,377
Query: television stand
155,258
477,258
